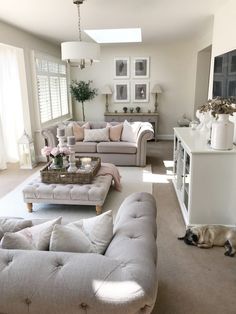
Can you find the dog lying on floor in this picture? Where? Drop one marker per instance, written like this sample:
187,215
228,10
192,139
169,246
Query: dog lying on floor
207,236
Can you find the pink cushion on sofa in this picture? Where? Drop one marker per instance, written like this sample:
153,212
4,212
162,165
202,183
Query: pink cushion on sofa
79,130
115,132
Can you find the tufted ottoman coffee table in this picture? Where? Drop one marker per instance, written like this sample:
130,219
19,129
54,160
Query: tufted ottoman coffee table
72,194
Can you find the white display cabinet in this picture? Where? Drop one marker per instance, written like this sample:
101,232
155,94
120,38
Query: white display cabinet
204,179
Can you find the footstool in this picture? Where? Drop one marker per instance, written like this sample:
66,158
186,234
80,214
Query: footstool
74,194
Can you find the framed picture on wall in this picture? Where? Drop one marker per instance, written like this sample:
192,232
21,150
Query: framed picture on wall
140,92
121,92
141,67
121,68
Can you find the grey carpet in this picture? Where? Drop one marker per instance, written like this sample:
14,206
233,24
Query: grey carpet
191,280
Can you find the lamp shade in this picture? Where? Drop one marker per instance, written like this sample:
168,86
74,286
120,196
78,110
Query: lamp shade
156,89
75,51
106,90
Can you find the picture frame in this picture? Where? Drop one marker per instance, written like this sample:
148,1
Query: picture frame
121,68
140,91
121,91
141,67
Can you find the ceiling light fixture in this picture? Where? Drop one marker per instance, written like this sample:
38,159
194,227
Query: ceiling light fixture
80,52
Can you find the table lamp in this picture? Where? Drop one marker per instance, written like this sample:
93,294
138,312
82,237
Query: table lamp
106,90
156,90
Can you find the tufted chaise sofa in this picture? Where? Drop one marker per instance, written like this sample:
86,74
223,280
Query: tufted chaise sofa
122,281
119,153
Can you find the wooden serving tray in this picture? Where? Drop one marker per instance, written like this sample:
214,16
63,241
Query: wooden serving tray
61,176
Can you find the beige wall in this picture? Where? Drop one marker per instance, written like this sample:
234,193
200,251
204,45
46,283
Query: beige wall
15,37
173,66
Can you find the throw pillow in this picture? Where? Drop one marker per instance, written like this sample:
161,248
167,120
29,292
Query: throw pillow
78,130
36,237
13,225
96,135
84,236
16,241
70,239
115,131
130,131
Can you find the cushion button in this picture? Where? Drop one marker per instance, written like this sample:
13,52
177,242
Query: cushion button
27,301
84,306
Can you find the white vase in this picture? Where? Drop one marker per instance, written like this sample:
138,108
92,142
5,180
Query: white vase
222,133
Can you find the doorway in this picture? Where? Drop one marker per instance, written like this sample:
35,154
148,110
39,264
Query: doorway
202,77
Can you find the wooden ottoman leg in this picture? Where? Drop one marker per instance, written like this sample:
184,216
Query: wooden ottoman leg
30,207
98,209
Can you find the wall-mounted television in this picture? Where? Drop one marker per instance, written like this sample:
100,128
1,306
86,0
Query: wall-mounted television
224,80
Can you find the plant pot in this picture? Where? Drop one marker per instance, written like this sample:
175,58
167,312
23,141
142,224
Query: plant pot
222,133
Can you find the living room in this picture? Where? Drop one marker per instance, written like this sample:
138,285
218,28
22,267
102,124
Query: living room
180,40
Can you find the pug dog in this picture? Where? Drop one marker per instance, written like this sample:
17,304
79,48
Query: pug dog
207,236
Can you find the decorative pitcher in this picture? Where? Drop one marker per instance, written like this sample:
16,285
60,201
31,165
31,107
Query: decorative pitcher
222,133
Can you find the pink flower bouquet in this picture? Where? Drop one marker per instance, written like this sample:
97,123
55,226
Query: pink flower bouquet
55,151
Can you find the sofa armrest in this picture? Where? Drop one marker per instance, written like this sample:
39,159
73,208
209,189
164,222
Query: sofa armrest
134,242
145,134
49,135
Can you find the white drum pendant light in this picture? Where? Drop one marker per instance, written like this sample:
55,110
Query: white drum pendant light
80,52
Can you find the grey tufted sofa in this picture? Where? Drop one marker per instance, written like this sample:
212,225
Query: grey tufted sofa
118,153
123,281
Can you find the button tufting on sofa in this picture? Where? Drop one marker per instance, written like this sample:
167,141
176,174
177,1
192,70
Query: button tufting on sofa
28,301
84,306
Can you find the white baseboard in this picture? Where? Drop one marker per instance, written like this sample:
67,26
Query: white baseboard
165,136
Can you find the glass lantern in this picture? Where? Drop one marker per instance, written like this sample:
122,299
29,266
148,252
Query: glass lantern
26,152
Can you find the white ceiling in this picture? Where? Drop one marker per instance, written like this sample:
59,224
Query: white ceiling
56,20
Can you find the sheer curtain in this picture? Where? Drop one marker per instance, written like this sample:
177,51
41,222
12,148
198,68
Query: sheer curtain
11,105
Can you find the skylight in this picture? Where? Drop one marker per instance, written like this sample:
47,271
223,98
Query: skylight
119,35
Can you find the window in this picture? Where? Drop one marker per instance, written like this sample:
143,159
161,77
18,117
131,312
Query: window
52,89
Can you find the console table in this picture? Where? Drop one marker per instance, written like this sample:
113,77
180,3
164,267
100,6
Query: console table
151,117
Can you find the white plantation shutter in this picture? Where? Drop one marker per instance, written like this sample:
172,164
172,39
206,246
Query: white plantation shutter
52,89
44,98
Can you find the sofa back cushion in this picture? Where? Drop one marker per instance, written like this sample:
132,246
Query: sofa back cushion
130,131
91,235
31,238
13,225
78,130
96,135
115,132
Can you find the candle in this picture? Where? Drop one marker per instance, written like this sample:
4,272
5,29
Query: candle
71,140
60,132
85,161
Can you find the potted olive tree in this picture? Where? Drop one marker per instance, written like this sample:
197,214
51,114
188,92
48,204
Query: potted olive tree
82,91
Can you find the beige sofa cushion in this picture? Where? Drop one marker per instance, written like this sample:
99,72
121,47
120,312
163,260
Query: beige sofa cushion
117,147
78,130
13,225
115,132
91,235
86,147
36,237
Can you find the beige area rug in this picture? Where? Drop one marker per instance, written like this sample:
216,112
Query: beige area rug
133,179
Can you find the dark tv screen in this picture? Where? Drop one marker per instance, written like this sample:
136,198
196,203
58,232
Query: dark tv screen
224,81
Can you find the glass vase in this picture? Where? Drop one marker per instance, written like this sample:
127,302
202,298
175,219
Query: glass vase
57,162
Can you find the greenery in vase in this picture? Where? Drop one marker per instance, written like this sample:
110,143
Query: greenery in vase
219,105
82,91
